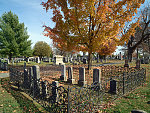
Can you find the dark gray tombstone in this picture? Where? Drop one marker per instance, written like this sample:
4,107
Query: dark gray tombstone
96,75
5,66
70,76
26,80
63,73
36,77
44,89
54,91
82,81
142,61
37,60
84,61
146,61
113,85
126,63
30,76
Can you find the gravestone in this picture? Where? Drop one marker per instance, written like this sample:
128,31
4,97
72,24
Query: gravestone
82,81
27,59
37,60
84,61
120,56
36,77
44,89
5,68
146,61
138,64
113,85
70,76
55,95
30,76
58,59
63,73
126,63
96,75
142,61
25,82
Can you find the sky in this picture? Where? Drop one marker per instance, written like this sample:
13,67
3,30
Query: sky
32,14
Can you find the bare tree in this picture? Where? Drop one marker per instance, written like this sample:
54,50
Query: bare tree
142,35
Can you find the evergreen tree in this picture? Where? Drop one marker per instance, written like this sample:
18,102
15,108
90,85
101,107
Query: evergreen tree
13,36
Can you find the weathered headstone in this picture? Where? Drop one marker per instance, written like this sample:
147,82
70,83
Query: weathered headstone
63,73
120,56
84,61
36,76
82,81
26,80
113,86
54,91
146,61
5,66
142,61
70,76
96,75
126,63
138,64
30,76
44,89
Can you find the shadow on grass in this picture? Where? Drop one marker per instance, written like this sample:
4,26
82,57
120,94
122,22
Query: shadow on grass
26,105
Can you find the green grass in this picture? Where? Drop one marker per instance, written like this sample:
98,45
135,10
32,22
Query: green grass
137,99
8,103
14,101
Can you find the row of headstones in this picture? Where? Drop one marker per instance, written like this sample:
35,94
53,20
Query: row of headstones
145,60
31,78
81,81
77,59
3,66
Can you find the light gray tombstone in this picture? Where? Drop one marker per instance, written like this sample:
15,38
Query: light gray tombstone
96,75
36,76
70,76
63,73
82,81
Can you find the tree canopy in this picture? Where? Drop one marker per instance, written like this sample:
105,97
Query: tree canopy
42,49
86,25
13,36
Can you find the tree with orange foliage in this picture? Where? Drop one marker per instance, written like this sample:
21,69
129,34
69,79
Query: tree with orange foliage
90,23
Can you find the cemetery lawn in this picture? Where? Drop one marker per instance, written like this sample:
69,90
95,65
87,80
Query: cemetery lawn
12,101
137,100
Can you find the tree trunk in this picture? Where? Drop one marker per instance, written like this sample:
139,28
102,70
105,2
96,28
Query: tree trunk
89,61
10,56
130,52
